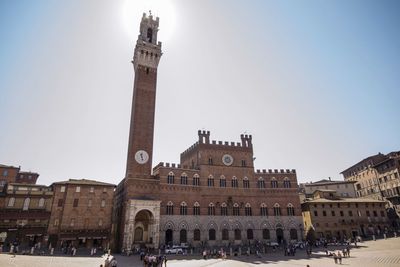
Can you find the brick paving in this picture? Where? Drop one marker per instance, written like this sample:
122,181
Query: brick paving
371,253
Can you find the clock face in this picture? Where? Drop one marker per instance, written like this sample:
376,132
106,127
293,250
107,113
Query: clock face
141,157
227,159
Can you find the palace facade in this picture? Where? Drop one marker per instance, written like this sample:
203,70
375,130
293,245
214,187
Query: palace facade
214,196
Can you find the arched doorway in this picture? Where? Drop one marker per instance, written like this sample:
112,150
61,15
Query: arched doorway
293,234
169,237
183,236
279,235
143,227
138,234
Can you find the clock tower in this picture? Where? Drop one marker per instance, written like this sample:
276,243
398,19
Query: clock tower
137,209
145,62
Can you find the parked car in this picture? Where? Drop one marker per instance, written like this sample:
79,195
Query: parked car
174,250
273,244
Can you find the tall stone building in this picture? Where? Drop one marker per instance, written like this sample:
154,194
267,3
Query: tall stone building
378,176
81,213
214,196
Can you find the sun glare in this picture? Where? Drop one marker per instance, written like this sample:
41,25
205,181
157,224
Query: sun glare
133,11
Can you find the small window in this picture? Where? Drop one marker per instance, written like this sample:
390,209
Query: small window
76,201
236,210
72,222
211,209
100,222
56,221
89,203
170,178
41,203
210,161
62,189
78,189
234,182
183,209
315,213
104,190
60,202
324,213
91,189
196,208
11,202
196,180
103,203
243,163
170,208
247,210
26,203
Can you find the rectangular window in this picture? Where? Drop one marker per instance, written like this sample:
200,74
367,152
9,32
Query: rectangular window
350,213
368,213
56,222
60,202
89,203
382,213
103,203
324,213
375,213
62,189
100,222
341,213
76,202
315,213
333,213
104,190
91,189
78,189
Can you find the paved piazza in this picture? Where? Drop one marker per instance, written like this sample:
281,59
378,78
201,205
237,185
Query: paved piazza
370,253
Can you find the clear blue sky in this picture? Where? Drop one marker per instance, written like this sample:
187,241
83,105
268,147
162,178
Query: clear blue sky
315,82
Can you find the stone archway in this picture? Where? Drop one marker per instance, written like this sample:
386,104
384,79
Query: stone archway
143,227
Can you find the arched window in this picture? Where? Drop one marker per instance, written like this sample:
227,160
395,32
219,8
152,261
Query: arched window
196,208
210,181
246,182
171,178
150,35
266,234
183,236
247,210
290,210
211,209
274,183
234,182
236,210
184,179
222,181
261,183
263,210
277,210
238,234
11,202
224,209
26,203
225,234
196,180
41,203
170,208
250,234
286,183
211,234
183,209
196,235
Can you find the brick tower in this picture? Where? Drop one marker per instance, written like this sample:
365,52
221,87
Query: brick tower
145,61
137,211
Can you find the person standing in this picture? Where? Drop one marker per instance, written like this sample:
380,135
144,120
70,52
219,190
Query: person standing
165,260
340,257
